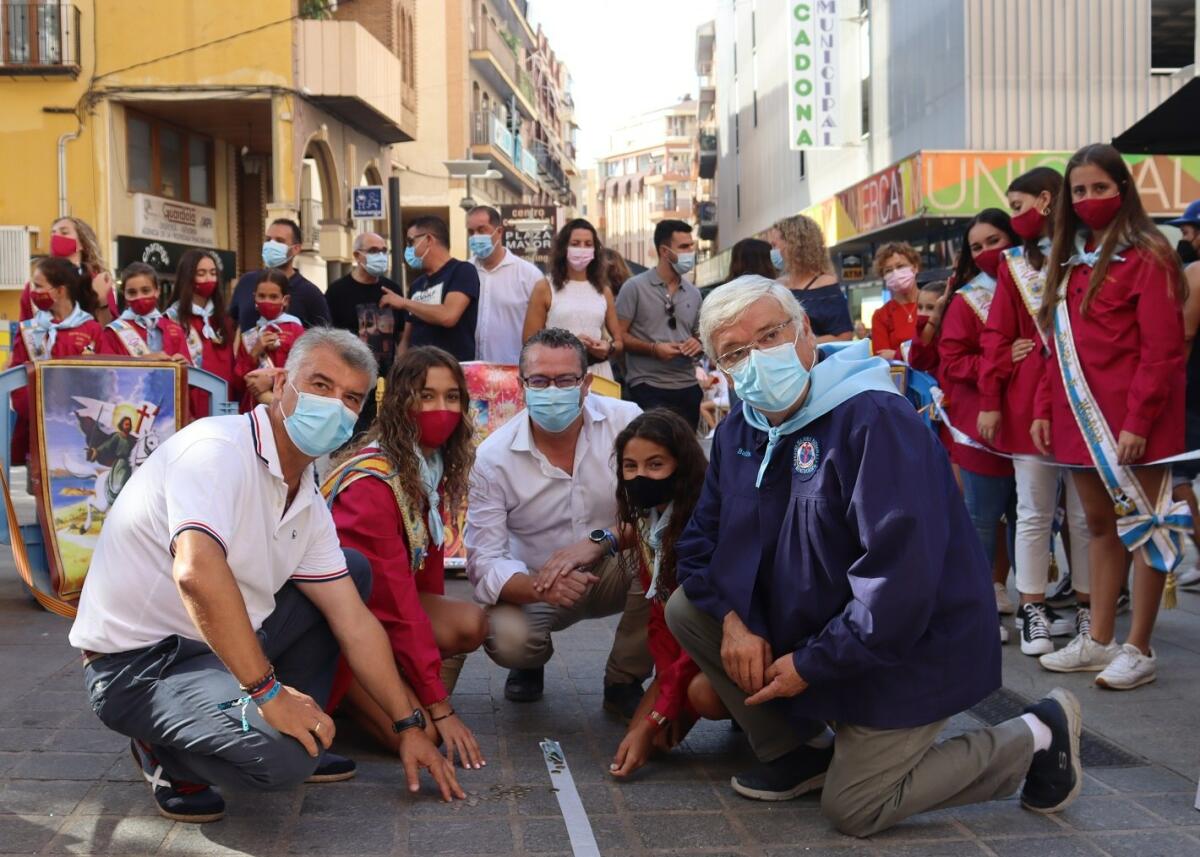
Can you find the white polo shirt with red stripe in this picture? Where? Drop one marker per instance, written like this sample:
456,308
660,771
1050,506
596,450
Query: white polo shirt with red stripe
219,476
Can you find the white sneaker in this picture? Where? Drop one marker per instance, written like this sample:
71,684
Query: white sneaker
1004,605
1188,578
1083,654
1128,670
1035,636
1003,634
1083,621
1057,624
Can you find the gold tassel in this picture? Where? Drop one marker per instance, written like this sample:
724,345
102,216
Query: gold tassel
1053,568
379,388
1170,592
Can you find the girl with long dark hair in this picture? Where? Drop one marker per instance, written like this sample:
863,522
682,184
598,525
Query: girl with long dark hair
661,469
577,297
388,502
199,308
1112,396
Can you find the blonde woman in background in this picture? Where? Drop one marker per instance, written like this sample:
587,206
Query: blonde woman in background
798,251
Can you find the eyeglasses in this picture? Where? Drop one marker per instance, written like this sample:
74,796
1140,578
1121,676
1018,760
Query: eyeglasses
543,382
369,250
732,360
413,239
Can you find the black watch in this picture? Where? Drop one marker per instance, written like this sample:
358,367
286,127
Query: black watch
416,720
606,539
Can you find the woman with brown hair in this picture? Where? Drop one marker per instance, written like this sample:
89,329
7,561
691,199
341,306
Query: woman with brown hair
72,239
616,272
199,308
895,323
799,244
388,501
576,298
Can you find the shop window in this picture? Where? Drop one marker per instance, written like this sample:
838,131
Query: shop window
168,161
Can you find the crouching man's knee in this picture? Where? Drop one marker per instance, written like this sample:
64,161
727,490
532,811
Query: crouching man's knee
512,643
284,764
851,817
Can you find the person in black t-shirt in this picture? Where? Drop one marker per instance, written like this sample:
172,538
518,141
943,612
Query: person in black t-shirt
305,300
354,306
444,301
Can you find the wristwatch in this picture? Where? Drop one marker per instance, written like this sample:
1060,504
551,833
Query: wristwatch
416,720
605,537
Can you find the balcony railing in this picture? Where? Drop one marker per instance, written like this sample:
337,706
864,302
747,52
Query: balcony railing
39,38
311,213
488,37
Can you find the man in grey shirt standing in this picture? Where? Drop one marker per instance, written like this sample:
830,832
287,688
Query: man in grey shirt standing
659,311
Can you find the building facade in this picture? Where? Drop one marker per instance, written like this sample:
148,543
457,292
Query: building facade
704,147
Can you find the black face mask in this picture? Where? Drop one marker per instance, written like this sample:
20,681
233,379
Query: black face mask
1187,252
647,493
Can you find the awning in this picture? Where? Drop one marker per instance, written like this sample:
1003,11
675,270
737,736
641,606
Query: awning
1170,128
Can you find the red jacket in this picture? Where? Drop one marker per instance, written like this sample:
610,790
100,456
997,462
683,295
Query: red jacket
960,355
245,362
892,325
1132,351
174,340
27,309
673,667
1004,386
368,520
217,359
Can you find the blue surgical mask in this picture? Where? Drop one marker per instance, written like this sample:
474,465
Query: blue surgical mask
553,409
319,424
684,263
777,258
274,254
376,264
771,380
480,246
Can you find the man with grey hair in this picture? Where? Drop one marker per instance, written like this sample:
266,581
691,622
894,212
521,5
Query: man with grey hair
830,573
506,283
354,306
218,600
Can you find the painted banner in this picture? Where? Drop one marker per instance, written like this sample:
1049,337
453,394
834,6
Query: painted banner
814,97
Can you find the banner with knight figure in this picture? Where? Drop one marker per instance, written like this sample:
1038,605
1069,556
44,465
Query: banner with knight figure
94,421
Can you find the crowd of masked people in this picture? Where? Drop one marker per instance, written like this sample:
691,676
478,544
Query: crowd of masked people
827,577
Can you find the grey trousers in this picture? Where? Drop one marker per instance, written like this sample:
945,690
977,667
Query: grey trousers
878,777
167,696
519,636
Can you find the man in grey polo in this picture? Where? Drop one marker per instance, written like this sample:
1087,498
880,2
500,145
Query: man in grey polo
659,312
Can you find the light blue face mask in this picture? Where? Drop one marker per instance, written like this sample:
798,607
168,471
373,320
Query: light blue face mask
376,264
684,263
274,254
553,409
777,258
412,259
319,424
480,246
772,379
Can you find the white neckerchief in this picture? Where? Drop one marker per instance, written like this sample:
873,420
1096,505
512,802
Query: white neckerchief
148,321
205,312
44,321
432,469
654,534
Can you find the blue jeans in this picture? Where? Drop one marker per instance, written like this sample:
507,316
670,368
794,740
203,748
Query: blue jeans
988,498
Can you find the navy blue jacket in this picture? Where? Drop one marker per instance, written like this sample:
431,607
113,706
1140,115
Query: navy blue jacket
857,555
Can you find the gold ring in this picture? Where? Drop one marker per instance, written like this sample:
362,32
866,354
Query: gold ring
317,728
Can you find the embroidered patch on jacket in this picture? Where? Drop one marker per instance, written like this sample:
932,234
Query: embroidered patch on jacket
806,456
744,453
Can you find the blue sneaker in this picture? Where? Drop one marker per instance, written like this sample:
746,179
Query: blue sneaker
333,769
800,771
193,803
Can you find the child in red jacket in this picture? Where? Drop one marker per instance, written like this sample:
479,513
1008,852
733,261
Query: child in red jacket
268,343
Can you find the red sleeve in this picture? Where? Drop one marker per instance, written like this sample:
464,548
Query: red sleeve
26,302
175,340
1044,397
112,303
996,340
1161,358
959,344
673,667
881,330
18,356
368,521
924,357
109,343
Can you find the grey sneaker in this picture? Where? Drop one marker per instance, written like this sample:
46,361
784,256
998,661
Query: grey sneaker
1083,654
1083,621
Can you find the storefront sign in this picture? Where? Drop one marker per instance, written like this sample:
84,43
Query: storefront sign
529,231
166,220
367,203
814,97
163,256
852,267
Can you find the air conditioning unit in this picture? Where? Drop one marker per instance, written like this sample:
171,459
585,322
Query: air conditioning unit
15,244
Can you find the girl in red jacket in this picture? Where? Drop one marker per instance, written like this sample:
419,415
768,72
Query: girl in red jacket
199,309
1112,306
268,343
62,326
388,501
141,330
661,468
1014,360
987,479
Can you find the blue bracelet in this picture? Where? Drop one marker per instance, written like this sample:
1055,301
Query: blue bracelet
614,547
244,703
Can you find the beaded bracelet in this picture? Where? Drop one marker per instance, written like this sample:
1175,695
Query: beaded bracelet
262,683
263,696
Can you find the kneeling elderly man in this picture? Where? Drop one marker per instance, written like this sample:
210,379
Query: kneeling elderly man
218,600
831,573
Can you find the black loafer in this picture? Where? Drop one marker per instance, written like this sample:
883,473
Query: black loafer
623,699
789,776
191,803
525,685
1055,776
333,769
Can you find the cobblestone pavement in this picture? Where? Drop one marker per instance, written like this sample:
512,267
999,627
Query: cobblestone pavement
67,786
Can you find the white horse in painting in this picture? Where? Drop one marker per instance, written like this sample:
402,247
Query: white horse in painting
103,494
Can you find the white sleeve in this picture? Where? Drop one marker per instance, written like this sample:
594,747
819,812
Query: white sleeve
202,489
323,559
489,563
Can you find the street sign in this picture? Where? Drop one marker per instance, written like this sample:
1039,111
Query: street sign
530,231
367,203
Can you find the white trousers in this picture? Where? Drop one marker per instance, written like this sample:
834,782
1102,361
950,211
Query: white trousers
1037,502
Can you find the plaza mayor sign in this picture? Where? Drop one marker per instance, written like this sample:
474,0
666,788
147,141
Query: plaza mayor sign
814,97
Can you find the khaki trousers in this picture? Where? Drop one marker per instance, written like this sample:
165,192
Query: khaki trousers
878,777
519,636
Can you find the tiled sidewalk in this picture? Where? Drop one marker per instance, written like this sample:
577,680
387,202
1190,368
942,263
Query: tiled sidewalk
68,785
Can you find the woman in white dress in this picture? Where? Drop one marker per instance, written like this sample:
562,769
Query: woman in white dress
576,298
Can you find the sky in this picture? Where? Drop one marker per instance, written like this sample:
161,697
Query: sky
626,57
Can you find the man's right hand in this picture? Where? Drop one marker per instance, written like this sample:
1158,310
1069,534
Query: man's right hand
568,588
744,655
298,715
417,752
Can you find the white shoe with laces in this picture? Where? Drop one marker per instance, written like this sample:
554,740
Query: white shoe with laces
1083,654
1188,578
1004,605
1128,670
1035,632
1083,620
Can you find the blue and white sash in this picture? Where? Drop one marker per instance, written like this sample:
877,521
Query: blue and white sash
978,293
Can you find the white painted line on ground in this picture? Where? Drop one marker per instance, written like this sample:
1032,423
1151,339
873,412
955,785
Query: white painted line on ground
579,829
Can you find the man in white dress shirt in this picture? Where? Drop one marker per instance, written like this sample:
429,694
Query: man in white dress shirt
542,544
506,282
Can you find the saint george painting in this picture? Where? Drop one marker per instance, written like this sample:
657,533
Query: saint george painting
95,422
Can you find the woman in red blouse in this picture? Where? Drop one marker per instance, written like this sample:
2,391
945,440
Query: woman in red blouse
387,502
1123,291
895,323
662,470
199,309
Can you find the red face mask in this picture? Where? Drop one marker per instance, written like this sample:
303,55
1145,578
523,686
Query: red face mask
143,306
270,310
42,300
204,289
436,426
1029,223
62,246
989,260
1098,213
